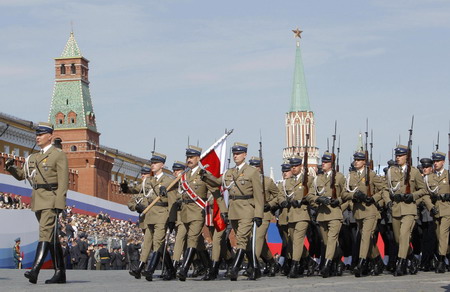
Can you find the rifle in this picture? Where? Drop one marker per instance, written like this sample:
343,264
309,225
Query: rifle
305,168
333,166
371,150
437,143
409,160
338,151
367,166
262,166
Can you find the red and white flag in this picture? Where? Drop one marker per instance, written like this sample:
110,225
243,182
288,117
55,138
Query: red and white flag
215,157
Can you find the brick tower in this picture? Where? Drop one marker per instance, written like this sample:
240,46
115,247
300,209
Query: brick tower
299,120
72,114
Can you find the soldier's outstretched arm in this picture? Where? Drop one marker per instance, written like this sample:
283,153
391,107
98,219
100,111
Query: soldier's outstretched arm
420,189
211,180
17,173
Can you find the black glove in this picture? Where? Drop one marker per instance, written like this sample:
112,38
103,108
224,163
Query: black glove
9,162
323,200
202,173
408,198
434,211
446,198
162,191
225,218
266,208
171,226
360,196
58,211
258,221
275,208
296,203
284,204
397,198
334,203
369,200
177,205
140,208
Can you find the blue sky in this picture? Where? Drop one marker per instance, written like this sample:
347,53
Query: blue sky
173,69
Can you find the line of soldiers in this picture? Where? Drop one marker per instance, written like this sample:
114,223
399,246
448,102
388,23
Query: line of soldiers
339,216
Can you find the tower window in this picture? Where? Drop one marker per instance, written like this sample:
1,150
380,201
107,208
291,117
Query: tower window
63,69
67,102
72,120
73,69
60,121
73,148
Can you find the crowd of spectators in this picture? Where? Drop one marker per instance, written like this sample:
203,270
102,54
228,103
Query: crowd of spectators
11,201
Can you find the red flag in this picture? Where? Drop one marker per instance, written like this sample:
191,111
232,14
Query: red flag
215,157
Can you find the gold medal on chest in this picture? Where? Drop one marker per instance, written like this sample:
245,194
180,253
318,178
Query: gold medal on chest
44,163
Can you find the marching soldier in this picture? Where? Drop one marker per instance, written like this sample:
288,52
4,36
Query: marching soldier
298,217
282,222
246,205
157,219
48,173
136,204
272,197
195,185
365,212
180,239
437,184
329,213
404,208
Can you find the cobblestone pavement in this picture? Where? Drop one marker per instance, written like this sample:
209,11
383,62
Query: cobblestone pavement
84,281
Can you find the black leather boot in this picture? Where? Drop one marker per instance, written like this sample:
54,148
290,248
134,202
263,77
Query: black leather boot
286,267
400,268
206,262
312,266
253,267
58,262
188,257
41,253
236,266
171,272
150,269
361,268
294,270
413,264
440,267
274,268
326,270
137,273
379,266
213,272
339,270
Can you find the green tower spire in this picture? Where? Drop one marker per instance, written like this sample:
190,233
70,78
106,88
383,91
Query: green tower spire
300,99
71,106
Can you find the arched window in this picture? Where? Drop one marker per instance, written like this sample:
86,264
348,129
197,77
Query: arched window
73,148
63,69
73,69
57,143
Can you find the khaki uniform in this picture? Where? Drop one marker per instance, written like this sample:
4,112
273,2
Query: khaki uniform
50,167
438,185
192,215
180,229
403,214
298,218
246,201
329,218
366,215
157,217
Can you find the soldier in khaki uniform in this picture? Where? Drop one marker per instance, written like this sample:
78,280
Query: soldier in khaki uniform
329,213
180,239
298,216
365,212
437,184
246,206
404,208
195,185
272,197
48,173
282,222
157,219
135,204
